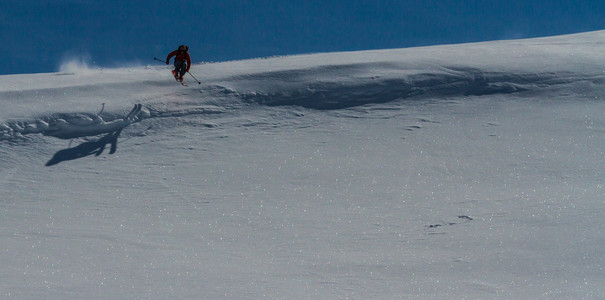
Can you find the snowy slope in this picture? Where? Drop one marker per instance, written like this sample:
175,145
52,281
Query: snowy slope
453,171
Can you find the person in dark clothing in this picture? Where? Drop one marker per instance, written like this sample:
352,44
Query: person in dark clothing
182,62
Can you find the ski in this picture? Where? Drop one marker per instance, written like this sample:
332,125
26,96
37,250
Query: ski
131,117
178,79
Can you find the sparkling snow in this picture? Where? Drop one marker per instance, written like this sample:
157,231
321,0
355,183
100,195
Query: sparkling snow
459,171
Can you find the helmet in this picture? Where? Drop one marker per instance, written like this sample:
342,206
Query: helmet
183,48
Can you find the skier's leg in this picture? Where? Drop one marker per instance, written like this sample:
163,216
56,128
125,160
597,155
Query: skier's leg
177,68
183,69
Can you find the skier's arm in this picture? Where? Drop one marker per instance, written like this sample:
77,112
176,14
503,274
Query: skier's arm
188,61
173,53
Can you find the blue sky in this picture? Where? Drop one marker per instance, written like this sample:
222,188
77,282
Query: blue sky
38,35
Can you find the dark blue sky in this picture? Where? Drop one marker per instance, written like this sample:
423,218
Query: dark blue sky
37,36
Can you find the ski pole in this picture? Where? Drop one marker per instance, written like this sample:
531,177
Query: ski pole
198,82
155,58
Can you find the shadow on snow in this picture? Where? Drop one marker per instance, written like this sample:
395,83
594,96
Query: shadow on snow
112,131
86,149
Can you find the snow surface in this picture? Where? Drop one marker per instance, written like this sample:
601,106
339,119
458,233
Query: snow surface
448,172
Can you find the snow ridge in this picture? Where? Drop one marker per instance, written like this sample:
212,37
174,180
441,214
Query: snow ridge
68,126
449,82
56,105
335,87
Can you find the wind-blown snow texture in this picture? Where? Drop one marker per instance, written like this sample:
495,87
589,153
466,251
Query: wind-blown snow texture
462,171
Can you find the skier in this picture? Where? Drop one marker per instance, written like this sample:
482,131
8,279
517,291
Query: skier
182,62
